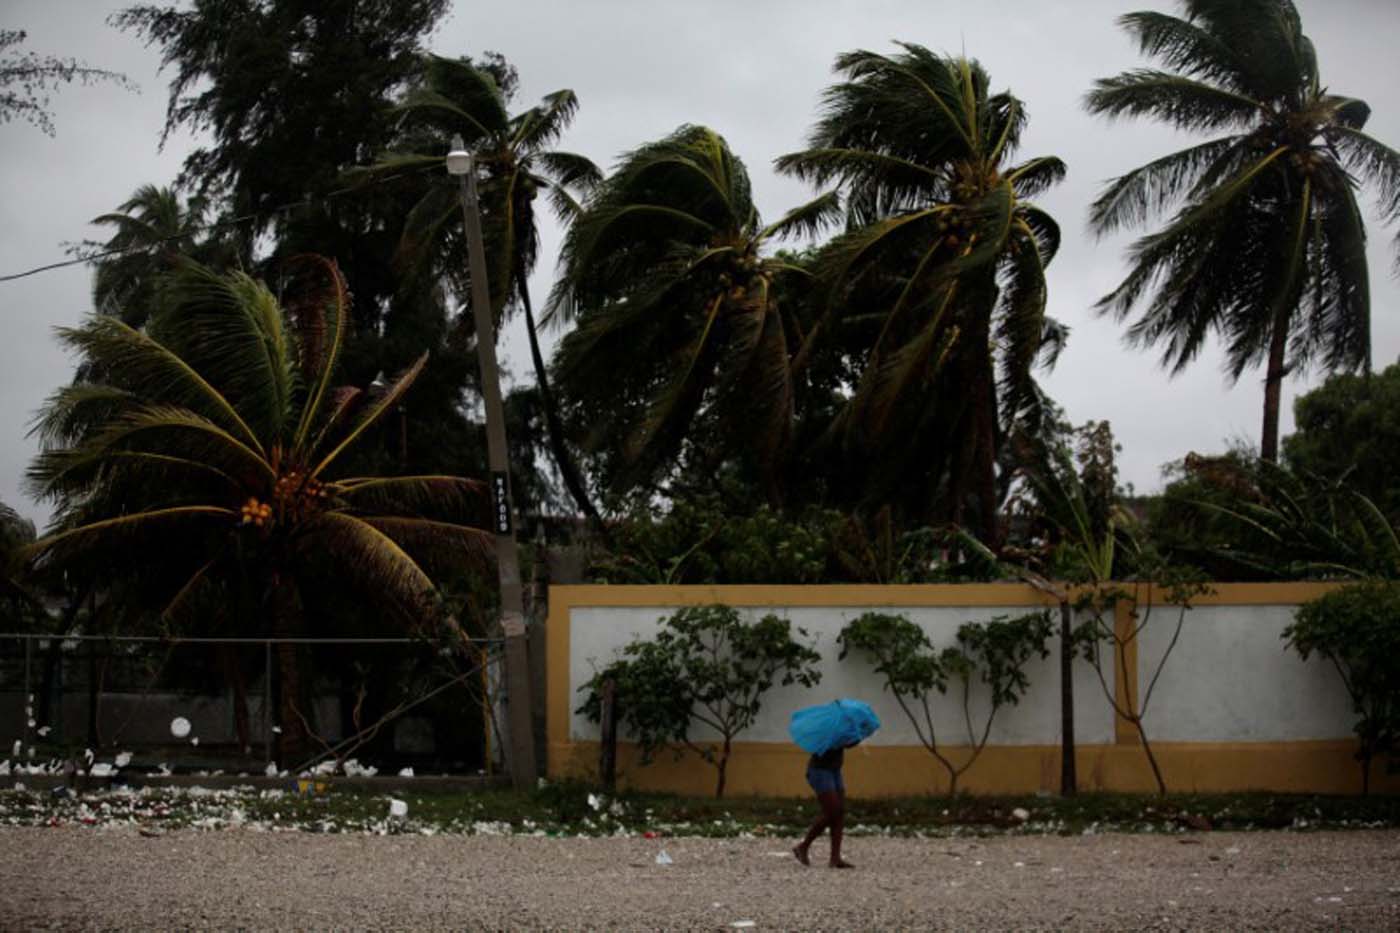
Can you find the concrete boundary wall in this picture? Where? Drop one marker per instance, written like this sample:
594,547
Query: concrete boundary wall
1231,710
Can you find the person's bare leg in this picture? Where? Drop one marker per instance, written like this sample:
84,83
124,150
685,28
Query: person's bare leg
836,816
828,801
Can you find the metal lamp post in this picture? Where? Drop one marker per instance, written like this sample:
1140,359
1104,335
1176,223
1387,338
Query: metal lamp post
462,164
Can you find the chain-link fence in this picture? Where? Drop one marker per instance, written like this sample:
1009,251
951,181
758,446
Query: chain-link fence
239,704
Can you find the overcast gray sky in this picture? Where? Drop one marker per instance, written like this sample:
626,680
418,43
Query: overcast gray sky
753,70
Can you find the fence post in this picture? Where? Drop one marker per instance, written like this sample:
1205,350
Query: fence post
607,749
28,688
267,699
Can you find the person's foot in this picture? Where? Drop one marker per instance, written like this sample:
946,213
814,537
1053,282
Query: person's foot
800,852
841,863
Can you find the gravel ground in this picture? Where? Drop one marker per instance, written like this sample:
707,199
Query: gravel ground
83,878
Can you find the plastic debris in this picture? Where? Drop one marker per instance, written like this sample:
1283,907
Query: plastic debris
663,859
194,741
1021,813
406,772
123,759
44,731
743,924
398,809
179,727
271,769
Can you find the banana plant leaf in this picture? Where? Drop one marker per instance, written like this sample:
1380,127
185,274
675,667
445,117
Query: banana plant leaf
838,724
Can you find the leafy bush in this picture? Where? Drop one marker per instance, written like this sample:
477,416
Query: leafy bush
706,665
994,652
1358,629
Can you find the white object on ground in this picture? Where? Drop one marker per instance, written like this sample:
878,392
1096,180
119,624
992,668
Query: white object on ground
123,759
194,741
271,769
663,859
1021,813
398,809
743,924
101,769
44,731
406,772
179,727
19,747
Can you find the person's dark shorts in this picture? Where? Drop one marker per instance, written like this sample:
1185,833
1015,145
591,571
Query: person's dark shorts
825,782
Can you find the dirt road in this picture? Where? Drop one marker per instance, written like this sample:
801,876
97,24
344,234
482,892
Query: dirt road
84,878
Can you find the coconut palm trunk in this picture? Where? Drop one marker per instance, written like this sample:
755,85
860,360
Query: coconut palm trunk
568,469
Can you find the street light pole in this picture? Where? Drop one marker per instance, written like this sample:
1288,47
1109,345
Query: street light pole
522,746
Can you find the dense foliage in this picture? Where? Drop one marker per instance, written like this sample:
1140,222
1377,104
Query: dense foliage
1357,628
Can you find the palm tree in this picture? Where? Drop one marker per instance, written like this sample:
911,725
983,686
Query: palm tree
1268,246
944,260
199,467
152,230
516,156
676,306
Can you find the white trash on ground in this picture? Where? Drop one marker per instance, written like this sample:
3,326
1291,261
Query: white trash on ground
179,727
398,809
663,859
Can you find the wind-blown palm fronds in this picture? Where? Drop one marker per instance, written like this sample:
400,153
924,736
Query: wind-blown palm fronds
1267,245
944,252
517,160
676,307
203,464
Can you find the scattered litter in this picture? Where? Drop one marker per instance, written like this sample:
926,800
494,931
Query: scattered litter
743,924
179,727
1021,813
123,759
398,809
44,731
406,772
1018,864
151,832
194,741
779,854
277,730
663,859
271,769
1233,850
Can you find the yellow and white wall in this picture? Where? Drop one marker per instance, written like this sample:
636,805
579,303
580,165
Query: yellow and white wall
1231,710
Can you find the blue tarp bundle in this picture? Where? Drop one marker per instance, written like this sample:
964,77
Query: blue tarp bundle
819,729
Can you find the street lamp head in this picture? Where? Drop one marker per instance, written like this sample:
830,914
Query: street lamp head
459,160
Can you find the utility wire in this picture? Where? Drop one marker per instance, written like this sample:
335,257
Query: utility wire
218,225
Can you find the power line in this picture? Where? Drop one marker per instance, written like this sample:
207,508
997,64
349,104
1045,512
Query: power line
218,225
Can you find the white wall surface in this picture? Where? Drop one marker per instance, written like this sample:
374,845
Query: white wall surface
1231,678
598,633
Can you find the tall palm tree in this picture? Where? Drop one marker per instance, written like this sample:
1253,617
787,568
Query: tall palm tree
1267,248
676,305
199,467
518,161
943,260
152,229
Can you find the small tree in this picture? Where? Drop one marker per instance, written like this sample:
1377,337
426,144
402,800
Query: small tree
1178,586
996,652
706,665
1358,629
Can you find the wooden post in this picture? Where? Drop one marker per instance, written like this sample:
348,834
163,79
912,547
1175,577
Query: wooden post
607,748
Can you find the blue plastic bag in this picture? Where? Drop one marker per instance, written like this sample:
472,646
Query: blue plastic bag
819,729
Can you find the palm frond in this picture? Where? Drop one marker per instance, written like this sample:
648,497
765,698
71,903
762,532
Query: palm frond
385,403
1182,102
810,219
1142,193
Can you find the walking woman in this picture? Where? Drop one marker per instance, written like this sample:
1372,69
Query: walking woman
824,775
